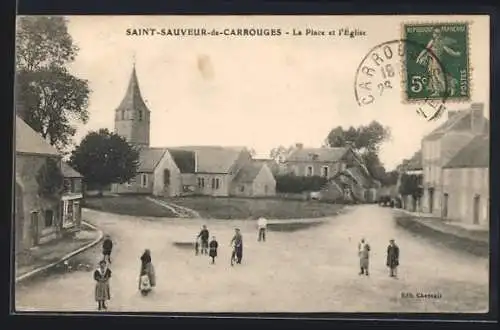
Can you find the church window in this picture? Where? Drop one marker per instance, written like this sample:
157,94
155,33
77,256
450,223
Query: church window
140,115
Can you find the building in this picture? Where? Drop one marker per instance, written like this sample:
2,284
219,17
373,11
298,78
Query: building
71,198
180,171
255,179
412,166
325,162
346,174
466,184
38,214
443,144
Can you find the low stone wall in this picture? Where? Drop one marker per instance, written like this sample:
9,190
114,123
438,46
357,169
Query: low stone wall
476,247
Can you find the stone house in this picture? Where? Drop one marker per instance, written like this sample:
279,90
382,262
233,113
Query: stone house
346,174
38,217
255,179
466,184
180,171
325,162
441,145
71,198
412,166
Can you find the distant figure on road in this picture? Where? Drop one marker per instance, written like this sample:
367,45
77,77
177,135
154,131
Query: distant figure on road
107,246
237,243
364,256
213,249
262,224
204,235
147,278
102,292
392,258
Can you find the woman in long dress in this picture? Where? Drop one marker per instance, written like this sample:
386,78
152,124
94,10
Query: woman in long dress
102,292
147,278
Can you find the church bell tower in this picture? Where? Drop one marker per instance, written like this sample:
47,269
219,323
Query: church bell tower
132,117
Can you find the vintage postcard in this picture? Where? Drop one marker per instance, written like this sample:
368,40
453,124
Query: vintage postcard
252,164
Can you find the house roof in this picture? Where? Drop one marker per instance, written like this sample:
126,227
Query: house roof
29,141
460,121
133,97
317,154
249,172
474,155
415,162
214,159
184,159
149,158
271,163
69,172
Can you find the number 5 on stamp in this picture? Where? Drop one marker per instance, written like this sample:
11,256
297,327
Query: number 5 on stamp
436,62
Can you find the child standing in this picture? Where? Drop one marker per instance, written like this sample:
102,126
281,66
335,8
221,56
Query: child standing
213,249
107,246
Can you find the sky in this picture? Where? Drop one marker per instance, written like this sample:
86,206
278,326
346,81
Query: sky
259,92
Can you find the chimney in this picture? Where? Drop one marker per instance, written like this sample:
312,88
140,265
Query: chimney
299,145
477,118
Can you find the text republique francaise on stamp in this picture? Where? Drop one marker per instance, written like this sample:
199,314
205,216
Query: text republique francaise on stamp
431,61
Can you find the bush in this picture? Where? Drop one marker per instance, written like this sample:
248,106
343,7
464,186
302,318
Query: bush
290,183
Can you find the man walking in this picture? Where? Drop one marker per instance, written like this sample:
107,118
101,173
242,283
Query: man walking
392,258
204,235
364,255
262,224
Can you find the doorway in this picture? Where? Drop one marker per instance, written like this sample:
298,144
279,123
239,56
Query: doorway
431,200
477,200
34,228
445,206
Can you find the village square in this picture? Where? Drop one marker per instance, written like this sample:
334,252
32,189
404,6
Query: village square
116,223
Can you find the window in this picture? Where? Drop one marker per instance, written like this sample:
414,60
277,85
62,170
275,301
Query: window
166,177
309,171
342,166
215,183
144,180
201,182
242,188
67,185
123,114
265,189
49,218
324,171
140,115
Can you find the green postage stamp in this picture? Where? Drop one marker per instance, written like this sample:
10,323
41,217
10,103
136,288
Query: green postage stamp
436,62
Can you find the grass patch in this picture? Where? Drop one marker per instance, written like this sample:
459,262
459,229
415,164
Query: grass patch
128,205
472,243
248,208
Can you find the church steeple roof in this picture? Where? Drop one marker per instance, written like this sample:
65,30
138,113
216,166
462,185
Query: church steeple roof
133,98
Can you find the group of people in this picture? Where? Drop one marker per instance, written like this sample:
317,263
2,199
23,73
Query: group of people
392,261
147,278
205,247
102,275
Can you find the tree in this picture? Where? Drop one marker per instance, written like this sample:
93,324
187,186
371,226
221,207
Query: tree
279,152
52,98
104,157
362,138
366,141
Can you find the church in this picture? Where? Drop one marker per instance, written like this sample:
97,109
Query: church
187,170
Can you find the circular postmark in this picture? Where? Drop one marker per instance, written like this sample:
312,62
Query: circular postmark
385,65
